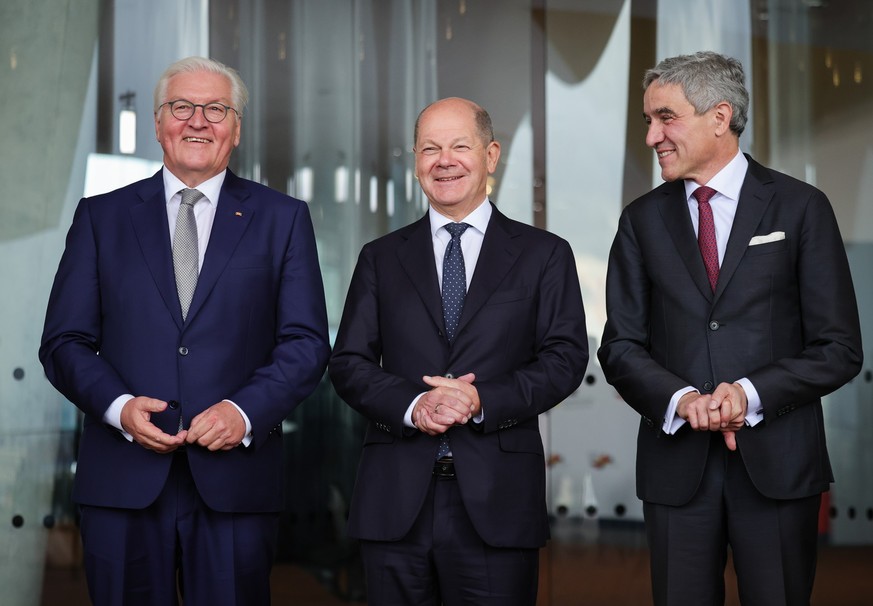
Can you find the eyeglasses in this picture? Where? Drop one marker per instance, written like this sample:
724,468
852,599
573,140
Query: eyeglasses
182,109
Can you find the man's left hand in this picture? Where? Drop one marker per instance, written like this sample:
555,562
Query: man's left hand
219,427
449,402
732,409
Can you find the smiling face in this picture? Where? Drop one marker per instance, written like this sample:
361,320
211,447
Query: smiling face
195,149
689,145
452,161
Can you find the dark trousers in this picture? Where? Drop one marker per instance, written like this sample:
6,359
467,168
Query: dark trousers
443,561
134,557
773,542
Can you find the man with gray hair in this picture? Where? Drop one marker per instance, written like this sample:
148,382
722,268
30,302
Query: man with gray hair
731,313
186,321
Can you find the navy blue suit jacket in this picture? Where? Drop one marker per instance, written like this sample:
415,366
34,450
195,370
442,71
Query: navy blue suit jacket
256,334
783,315
521,331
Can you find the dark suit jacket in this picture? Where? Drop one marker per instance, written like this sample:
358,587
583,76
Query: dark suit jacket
522,331
783,315
256,334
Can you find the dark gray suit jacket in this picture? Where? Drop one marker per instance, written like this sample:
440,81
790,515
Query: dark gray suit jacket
783,315
522,332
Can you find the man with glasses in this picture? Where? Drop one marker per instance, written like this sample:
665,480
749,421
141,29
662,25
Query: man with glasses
187,320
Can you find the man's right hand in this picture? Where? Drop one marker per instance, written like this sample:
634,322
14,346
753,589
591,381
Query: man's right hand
136,420
450,402
724,411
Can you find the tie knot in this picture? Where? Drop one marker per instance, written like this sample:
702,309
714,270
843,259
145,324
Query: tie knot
703,194
456,229
191,196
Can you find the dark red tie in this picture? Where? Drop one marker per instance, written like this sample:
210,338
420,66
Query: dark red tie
706,233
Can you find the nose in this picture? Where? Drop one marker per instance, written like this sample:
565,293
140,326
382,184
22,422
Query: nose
198,118
446,157
654,134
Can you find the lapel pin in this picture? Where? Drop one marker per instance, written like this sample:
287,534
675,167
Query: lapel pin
238,213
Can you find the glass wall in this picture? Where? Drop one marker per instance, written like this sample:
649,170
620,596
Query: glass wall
336,86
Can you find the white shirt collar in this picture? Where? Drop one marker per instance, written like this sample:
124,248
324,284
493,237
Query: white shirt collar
728,181
209,188
478,219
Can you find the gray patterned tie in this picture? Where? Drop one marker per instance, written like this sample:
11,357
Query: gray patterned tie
454,292
185,253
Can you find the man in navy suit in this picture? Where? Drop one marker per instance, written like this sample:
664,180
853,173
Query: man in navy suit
180,464
460,520
731,313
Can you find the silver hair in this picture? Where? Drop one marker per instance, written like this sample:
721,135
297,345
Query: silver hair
707,79
238,92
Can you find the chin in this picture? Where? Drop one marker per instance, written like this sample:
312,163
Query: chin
669,175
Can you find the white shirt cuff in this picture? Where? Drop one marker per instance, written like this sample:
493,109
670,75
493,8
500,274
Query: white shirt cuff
672,421
112,416
248,437
754,410
407,418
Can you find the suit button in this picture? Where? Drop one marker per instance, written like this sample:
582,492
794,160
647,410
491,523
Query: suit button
173,404
707,386
714,325
449,375
183,351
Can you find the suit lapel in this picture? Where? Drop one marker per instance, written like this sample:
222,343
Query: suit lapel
755,196
499,253
416,258
674,210
232,217
149,218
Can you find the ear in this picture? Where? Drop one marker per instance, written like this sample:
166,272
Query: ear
492,155
723,112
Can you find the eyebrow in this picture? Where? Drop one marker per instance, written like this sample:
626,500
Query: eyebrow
661,112
465,139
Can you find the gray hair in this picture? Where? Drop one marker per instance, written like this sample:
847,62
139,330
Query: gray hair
238,92
707,79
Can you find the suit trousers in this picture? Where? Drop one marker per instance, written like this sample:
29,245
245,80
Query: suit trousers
442,560
133,557
773,542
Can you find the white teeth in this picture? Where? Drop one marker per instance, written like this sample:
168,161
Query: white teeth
196,140
664,153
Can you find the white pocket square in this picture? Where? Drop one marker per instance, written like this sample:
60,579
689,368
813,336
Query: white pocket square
774,237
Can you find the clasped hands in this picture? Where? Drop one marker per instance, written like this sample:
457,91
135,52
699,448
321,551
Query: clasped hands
219,427
724,410
450,402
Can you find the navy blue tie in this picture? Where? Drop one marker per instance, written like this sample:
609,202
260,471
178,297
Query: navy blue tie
454,279
454,291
